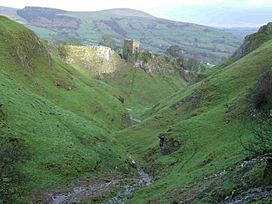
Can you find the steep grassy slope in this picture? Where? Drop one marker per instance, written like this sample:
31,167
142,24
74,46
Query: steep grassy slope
58,118
60,145
142,90
208,119
254,41
57,123
26,60
55,117
206,43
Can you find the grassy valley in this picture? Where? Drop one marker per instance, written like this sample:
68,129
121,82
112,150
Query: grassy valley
209,119
74,116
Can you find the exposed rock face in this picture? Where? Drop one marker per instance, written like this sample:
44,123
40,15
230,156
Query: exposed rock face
25,46
168,145
97,59
253,41
152,63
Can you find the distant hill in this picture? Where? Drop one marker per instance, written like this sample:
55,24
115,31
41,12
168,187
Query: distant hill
241,31
205,43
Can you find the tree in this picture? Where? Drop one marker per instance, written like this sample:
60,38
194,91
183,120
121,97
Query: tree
108,41
261,98
261,142
62,51
261,146
174,51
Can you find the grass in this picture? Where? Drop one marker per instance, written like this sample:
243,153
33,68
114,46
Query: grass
46,73
61,132
204,125
73,126
61,114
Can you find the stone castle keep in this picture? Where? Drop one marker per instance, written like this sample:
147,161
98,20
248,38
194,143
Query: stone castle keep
131,47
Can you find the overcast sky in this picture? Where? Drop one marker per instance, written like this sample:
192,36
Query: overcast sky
224,13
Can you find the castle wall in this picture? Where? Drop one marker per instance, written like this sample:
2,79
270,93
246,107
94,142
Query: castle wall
131,47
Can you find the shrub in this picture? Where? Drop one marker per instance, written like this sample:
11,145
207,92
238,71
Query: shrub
261,143
261,146
12,152
62,51
261,98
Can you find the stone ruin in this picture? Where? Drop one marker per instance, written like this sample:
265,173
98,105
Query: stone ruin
131,47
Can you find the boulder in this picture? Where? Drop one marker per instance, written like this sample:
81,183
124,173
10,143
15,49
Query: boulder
168,145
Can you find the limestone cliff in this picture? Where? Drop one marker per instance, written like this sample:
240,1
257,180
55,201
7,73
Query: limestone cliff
97,59
159,63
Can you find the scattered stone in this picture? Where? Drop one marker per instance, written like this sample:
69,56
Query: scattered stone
251,195
97,109
64,85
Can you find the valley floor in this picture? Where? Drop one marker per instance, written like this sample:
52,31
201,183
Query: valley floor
130,136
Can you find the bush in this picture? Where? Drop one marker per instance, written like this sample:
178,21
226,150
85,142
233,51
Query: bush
261,98
62,51
261,146
174,51
261,143
12,152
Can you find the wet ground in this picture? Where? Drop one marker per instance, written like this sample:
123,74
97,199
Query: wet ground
252,195
128,187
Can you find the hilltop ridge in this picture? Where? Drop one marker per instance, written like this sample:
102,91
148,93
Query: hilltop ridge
156,34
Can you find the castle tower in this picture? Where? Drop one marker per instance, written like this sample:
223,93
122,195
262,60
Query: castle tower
131,47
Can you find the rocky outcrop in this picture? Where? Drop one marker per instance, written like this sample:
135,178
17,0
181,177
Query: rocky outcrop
97,59
168,145
254,41
152,63
25,46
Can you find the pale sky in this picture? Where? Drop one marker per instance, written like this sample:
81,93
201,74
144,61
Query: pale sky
247,12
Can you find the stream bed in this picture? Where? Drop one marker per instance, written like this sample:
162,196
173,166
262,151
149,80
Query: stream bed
128,187
128,190
251,195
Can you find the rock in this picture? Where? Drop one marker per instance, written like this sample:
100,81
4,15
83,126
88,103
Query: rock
253,41
132,162
168,145
121,99
268,171
97,59
64,85
97,109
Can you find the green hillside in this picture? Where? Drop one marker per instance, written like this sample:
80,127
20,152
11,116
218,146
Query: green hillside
209,119
205,43
57,123
57,117
62,125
